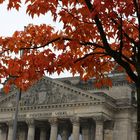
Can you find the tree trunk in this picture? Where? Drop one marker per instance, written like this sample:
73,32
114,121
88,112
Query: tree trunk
138,110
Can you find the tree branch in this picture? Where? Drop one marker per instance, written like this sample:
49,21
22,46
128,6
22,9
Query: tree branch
77,17
113,53
42,46
92,44
89,5
137,8
87,55
121,37
125,34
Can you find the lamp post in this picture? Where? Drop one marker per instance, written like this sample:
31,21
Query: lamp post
18,97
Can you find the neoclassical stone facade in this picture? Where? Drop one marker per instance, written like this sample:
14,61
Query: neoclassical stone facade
70,109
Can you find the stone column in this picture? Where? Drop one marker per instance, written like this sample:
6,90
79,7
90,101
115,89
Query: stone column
43,133
31,129
10,130
122,129
1,132
108,129
108,134
85,131
134,130
99,130
54,129
76,128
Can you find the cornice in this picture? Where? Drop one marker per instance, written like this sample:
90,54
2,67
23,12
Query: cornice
51,106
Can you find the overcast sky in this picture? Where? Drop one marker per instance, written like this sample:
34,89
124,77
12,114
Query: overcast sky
16,20
13,20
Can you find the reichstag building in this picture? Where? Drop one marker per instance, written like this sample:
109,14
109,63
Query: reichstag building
70,109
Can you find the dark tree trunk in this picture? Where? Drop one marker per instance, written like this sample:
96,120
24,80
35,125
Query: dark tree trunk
138,110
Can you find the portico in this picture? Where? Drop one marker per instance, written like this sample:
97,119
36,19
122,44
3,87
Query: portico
49,129
53,109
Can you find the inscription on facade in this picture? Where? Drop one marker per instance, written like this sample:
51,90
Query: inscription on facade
61,113
48,114
39,115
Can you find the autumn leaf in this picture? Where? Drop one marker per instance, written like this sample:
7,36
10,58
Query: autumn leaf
1,1
96,37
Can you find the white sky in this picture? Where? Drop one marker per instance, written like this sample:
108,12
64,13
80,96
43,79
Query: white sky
16,20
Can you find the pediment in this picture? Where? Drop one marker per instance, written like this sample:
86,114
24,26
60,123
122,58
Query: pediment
50,91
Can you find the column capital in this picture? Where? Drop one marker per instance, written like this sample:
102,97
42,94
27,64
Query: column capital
31,129
99,118
53,121
10,123
54,128
76,128
30,121
75,120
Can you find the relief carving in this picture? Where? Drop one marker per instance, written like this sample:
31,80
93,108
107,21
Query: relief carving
30,99
57,96
48,93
